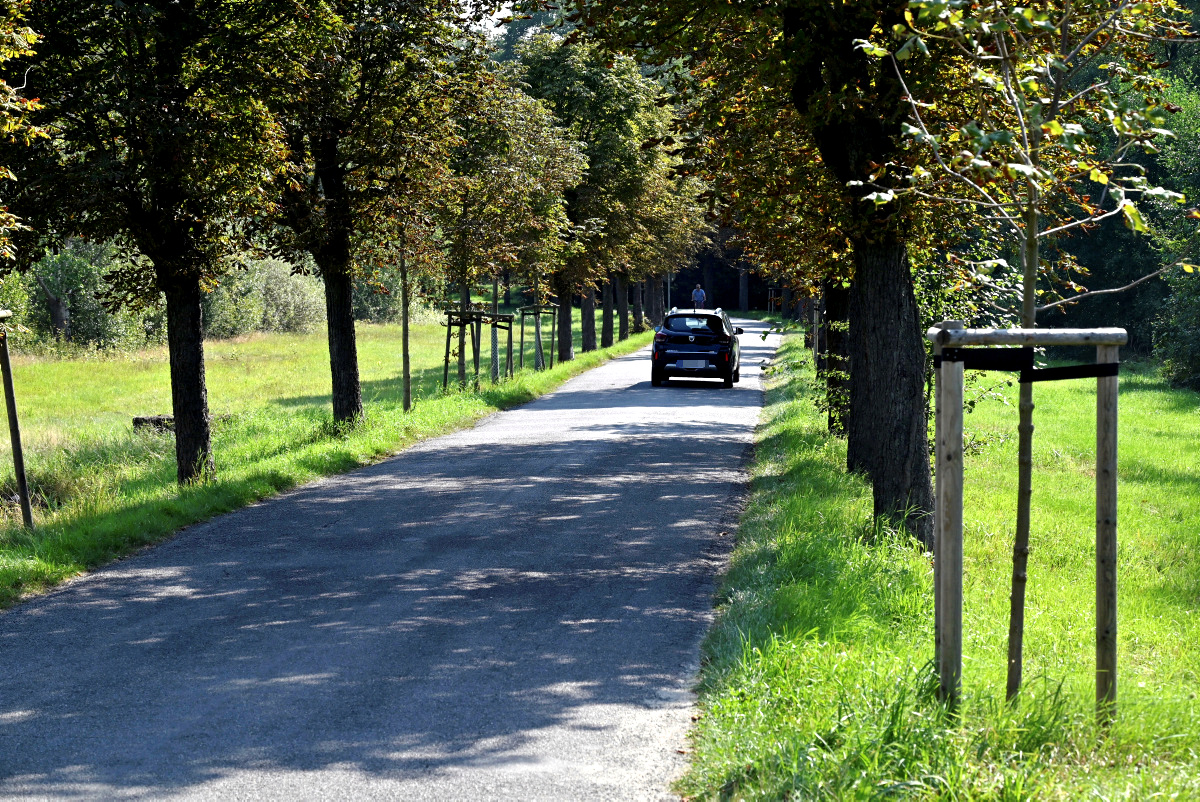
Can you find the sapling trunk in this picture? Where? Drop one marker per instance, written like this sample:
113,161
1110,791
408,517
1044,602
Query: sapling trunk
1016,618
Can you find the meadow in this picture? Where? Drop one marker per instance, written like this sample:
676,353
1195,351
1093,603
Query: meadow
103,489
818,679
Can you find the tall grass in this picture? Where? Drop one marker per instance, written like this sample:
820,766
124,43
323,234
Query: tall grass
104,489
817,679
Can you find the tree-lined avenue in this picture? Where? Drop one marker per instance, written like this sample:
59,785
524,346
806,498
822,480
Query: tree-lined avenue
511,611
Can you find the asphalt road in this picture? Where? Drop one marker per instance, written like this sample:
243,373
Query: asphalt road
513,611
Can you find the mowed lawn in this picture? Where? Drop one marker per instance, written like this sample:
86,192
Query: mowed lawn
103,489
818,681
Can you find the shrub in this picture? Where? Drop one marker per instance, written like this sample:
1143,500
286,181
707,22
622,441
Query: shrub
291,302
263,296
1177,334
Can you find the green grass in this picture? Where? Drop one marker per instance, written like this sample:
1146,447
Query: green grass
108,490
817,681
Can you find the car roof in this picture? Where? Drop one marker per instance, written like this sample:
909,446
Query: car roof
677,311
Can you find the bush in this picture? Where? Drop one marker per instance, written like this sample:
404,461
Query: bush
76,278
264,296
291,303
1177,334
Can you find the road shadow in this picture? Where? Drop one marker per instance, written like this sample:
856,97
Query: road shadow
426,614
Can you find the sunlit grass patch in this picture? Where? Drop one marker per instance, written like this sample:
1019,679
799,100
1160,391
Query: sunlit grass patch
818,680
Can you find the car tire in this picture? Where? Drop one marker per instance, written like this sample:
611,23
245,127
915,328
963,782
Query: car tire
656,379
728,381
737,375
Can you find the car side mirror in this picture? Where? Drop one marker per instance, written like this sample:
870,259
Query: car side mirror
738,330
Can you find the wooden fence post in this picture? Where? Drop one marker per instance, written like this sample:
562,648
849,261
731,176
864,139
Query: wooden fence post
948,537
1106,538
14,428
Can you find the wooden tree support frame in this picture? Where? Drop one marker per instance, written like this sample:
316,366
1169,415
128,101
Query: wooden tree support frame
14,428
948,546
473,320
536,311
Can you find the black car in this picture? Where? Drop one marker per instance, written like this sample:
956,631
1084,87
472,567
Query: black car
696,343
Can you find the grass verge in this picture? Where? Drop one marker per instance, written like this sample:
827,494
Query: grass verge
106,490
817,681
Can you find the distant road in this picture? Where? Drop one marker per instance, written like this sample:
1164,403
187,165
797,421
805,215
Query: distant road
513,611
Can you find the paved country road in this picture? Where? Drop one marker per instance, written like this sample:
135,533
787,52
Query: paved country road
513,611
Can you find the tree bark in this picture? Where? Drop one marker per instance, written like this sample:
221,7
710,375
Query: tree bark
639,313
405,307
60,310
621,292
189,395
654,300
886,427
744,290
606,314
343,348
566,345
835,360
587,320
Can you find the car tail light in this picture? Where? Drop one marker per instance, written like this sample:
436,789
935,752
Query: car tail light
660,337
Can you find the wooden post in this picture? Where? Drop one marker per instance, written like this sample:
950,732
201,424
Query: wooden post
1106,538
14,428
948,539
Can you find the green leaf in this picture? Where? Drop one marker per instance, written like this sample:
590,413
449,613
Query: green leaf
1133,218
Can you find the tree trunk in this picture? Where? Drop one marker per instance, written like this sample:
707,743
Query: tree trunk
189,395
639,313
606,314
620,290
507,288
785,306
405,307
343,350
654,300
587,320
566,345
886,429
835,359
1030,258
60,310
744,290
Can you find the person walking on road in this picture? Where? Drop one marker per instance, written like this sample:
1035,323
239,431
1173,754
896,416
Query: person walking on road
698,297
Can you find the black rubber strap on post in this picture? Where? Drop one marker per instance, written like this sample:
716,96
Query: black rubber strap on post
1021,359
988,358
1092,371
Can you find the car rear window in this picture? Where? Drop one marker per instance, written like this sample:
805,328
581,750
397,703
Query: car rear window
684,323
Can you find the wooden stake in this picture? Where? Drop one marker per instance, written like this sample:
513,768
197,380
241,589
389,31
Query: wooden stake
948,543
14,428
1106,538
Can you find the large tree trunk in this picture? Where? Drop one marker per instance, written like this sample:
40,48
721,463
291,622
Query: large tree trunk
620,290
654,300
587,320
886,429
744,290
343,349
60,310
835,356
566,345
639,312
189,395
606,314
405,359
